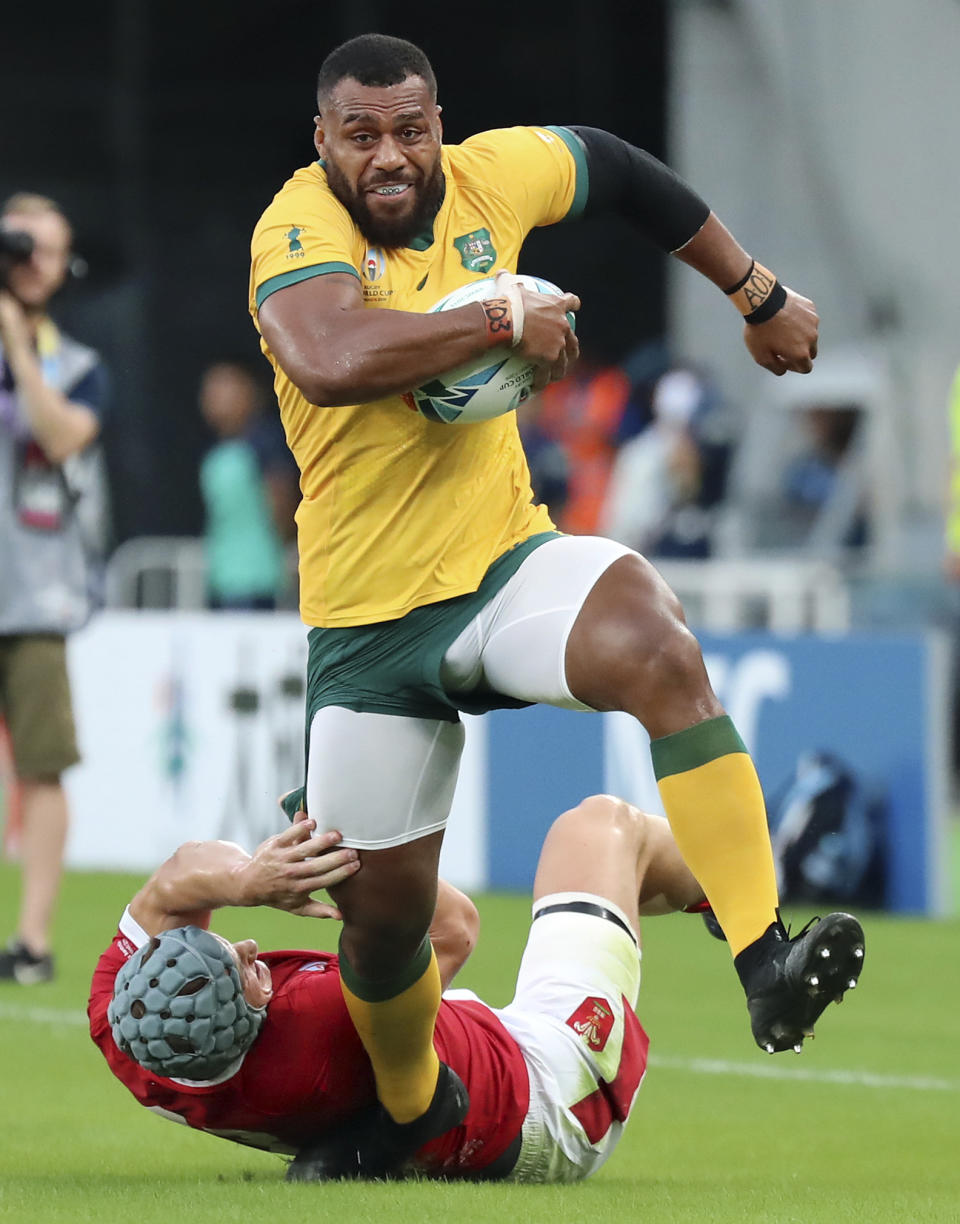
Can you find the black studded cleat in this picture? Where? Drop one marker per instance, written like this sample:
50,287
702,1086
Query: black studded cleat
388,1146
789,981
334,1156
374,1146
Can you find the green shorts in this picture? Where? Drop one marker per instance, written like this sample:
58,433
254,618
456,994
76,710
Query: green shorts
394,667
35,701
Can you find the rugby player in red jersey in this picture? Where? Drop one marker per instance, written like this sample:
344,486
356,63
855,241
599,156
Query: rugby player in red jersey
259,1047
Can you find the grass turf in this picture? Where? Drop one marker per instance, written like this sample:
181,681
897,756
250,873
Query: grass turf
720,1132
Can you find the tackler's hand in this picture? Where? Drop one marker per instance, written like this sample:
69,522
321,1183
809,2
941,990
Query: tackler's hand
286,868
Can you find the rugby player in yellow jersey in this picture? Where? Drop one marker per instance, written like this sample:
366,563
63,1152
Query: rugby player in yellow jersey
432,582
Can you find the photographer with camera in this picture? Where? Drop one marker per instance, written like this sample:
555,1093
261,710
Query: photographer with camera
52,397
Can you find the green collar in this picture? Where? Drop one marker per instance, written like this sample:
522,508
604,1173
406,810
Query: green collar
424,240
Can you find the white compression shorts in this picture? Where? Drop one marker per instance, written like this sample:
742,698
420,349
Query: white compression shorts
573,1019
386,779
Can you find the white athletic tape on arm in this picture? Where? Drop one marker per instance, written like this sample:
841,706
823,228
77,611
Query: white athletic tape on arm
508,286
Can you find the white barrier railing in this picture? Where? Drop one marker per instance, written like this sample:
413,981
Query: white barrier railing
782,595
723,596
158,572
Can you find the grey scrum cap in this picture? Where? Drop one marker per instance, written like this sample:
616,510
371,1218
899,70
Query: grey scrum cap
178,1007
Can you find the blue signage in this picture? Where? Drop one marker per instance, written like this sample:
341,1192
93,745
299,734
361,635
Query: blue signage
879,703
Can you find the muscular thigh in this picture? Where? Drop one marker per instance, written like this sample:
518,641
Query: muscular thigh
516,645
381,779
630,649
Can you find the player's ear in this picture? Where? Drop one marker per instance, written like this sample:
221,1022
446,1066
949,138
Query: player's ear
318,134
439,123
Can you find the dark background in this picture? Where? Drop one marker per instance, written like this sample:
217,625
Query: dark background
164,128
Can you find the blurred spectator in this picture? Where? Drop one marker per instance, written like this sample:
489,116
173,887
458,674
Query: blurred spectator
821,493
547,460
951,560
52,398
249,484
952,557
584,416
666,480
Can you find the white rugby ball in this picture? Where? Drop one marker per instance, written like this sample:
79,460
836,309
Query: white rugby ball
497,382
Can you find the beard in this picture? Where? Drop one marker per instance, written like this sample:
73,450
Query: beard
386,231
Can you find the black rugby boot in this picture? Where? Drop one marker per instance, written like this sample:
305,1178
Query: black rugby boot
333,1157
789,981
389,1145
374,1146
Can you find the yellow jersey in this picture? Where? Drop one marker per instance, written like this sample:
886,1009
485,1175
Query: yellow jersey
398,511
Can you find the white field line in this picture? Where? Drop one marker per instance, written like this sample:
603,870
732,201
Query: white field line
663,1062
766,1070
42,1015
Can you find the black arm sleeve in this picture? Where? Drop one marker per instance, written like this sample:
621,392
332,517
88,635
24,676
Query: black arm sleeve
629,181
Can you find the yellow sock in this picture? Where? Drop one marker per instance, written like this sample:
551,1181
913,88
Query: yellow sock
394,1020
714,803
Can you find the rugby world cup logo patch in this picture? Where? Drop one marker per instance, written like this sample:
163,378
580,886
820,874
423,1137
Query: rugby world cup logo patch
593,1021
374,264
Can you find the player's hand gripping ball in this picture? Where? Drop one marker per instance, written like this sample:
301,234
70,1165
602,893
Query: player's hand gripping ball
497,382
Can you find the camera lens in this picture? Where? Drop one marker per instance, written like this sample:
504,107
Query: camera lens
16,244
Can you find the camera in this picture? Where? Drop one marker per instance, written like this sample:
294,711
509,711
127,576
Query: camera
15,245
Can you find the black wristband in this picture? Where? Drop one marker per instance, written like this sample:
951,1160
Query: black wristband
767,309
742,281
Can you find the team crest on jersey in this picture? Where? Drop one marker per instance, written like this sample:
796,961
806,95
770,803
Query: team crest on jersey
374,263
477,252
294,245
593,1021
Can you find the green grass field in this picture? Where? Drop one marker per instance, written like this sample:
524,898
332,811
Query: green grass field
864,1125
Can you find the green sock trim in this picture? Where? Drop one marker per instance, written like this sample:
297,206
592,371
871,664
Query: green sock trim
386,988
697,745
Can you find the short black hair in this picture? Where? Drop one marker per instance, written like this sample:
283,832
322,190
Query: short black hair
374,59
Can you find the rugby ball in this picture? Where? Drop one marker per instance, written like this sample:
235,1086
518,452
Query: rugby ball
495,383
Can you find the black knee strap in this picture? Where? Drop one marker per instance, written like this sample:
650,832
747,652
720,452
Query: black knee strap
586,907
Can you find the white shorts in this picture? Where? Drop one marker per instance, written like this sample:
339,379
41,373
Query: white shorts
385,779
517,644
586,1052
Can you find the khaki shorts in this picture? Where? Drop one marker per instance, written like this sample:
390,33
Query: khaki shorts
35,702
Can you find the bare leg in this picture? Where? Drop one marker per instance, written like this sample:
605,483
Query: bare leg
607,847
630,649
388,905
45,818
388,971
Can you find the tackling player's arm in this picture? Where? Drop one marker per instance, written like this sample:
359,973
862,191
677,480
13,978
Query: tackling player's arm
453,931
337,353
780,328
282,872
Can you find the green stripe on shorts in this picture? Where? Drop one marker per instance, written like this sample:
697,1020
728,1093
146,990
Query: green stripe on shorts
393,667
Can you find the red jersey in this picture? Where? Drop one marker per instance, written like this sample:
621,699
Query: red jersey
307,1069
